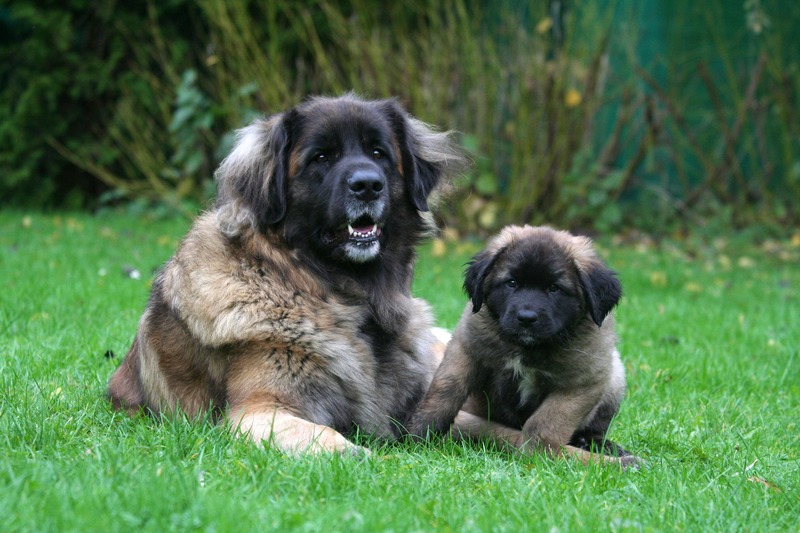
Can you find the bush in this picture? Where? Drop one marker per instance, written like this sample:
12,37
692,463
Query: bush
65,66
568,121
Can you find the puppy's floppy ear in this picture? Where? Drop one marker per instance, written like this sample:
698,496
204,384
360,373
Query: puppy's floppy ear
426,155
601,289
252,180
477,269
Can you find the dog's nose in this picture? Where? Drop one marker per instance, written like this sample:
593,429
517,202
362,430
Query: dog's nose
365,184
527,316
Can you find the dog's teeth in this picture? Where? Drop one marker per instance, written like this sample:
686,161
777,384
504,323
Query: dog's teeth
362,234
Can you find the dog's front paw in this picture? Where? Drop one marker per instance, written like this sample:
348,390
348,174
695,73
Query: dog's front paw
418,429
631,462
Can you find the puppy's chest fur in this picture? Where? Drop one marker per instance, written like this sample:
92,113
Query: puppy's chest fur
514,392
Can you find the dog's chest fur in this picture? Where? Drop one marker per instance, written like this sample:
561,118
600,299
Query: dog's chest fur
351,371
514,392
324,353
368,376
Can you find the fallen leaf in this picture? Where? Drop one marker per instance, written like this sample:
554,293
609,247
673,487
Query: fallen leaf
488,216
762,481
693,287
659,279
746,262
450,234
572,98
74,224
544,25
438,248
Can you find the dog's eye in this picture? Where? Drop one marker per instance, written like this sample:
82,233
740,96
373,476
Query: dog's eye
553,288
377,154
321,158
511,284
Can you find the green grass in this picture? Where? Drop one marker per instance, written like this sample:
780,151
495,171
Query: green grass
710,336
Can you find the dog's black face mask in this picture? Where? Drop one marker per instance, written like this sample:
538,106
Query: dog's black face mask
533,292
350,179
346,185
537,292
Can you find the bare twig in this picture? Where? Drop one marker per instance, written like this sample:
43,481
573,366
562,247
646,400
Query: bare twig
729,152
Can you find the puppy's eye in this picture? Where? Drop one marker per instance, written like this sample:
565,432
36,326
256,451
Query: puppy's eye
553,288
378,154
511,284
321,158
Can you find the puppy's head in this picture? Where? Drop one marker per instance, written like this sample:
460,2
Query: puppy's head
341,176
538,284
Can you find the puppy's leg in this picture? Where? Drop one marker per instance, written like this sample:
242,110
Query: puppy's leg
552,425
262,418
593,434
468,425
561,413
476,427
453,381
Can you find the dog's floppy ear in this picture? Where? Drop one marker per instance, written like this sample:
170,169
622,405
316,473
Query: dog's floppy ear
475,274
601,289
426,155
252,180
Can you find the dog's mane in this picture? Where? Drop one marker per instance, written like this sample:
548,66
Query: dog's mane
247,186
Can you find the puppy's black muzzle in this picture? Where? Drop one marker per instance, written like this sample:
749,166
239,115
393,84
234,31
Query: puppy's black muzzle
527,317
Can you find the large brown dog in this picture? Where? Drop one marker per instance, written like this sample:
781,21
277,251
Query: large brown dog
535,349
287,309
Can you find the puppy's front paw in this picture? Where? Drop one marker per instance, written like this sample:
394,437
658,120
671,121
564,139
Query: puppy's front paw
631,462
419,429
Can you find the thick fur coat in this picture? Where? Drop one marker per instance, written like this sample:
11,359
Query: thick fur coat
287,309
535,349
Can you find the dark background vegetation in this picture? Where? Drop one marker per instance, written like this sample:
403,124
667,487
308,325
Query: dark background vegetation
658,115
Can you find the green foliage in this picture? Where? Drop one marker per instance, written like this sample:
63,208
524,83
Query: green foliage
596,117
48,70
65,68
709,338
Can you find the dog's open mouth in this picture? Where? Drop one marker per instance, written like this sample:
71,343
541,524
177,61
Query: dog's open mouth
363,232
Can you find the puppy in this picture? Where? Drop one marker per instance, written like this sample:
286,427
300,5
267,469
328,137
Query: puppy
536,348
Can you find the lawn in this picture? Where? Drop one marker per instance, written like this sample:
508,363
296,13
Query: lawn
710,337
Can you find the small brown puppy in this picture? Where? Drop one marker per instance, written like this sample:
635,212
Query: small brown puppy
536,348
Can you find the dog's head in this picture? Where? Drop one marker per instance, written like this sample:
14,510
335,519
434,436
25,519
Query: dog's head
341,176
539,284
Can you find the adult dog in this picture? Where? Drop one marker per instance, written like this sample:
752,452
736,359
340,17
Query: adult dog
536,349
287,309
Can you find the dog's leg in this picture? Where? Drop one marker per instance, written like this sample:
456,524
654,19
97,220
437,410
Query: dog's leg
452,383
513,440
264,420
468,425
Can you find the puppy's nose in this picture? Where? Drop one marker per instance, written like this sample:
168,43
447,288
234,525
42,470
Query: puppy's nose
527,316
365,184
